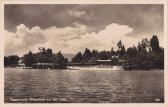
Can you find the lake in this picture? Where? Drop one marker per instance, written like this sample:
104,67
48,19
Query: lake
83,86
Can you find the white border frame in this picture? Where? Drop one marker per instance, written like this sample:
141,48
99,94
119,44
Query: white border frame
2,2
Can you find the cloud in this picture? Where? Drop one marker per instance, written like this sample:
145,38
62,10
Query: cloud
82,14
76,13
68,39
104,39
23,40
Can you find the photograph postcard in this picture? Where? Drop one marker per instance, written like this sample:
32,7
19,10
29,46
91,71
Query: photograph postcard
84,52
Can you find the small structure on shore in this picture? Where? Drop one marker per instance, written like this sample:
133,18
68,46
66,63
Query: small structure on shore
104,62
113,61
47,66
20,63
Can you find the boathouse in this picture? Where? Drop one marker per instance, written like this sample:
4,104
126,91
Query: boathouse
20,63
113,61
45,66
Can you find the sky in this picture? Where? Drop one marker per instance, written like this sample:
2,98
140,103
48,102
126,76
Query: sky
71,28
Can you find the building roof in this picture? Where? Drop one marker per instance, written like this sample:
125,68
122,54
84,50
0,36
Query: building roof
104,60
45,64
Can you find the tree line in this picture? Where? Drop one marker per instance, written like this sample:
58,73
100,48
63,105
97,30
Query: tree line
43,56
147,55
11,60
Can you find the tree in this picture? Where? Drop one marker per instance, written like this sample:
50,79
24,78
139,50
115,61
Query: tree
143,45
28,59
49,52
104,55
94,53
154,43
87,55
49,55
139,47
131,53
60,60
112,51
11,60
121,49
77,58
42,55
120,45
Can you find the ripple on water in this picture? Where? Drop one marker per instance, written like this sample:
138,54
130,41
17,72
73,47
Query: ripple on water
85,86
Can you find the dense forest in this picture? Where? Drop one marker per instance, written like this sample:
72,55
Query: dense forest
43,56
146,55
11,60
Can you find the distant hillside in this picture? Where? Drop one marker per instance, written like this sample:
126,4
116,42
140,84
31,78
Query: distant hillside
69,56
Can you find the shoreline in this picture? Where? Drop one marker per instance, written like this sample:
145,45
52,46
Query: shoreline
88,68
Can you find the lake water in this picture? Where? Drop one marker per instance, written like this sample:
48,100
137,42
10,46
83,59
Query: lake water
83,86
